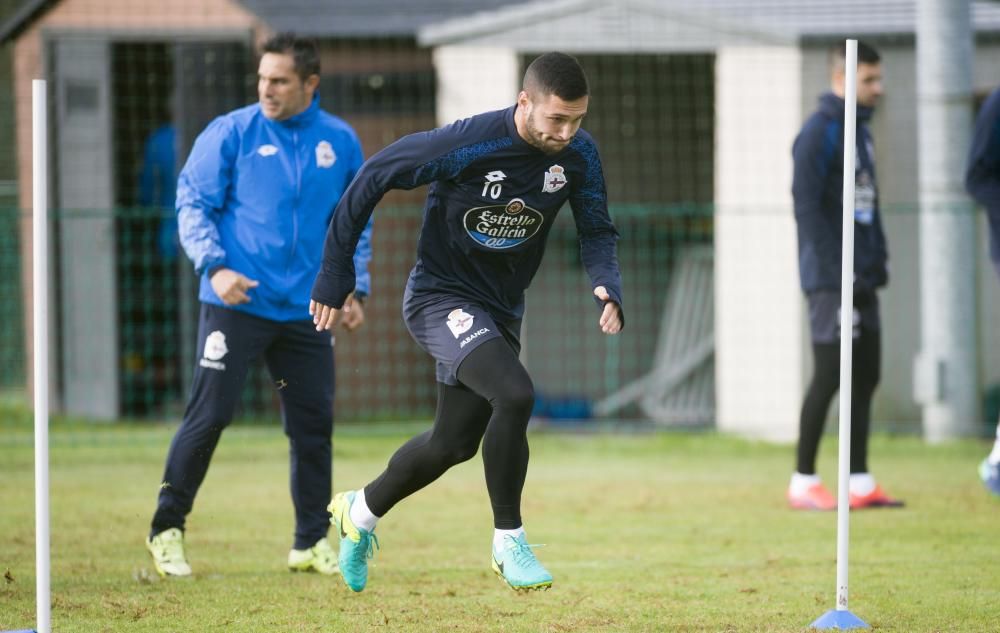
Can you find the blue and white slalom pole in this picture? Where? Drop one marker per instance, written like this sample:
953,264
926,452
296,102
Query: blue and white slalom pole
840,617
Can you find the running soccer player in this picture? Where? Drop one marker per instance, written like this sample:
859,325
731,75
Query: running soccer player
497,181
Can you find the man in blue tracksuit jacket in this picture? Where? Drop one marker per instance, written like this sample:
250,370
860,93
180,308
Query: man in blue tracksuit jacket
817,191
254,201
497,181
982,179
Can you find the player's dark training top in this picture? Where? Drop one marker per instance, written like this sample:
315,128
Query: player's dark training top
489,211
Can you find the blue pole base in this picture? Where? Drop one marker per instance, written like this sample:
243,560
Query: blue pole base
838,619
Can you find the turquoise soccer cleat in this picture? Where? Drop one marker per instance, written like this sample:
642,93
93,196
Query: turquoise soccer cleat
517,566
356,545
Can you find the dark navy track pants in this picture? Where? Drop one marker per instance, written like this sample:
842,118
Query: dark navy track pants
300,361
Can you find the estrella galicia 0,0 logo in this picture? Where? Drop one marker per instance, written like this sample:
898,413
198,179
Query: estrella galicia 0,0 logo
503,226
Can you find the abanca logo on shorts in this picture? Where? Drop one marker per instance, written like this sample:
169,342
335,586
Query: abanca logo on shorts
503,226
468,339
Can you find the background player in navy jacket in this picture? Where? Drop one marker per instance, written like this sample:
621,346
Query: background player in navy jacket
497,181
253,202
982,179
817,190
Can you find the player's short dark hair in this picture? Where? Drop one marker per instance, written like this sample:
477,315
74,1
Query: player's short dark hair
303,50
556,74
866,54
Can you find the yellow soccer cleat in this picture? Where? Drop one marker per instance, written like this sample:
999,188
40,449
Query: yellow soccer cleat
167,549
319,558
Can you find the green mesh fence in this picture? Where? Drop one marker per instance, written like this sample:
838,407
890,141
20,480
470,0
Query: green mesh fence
12,341
381,373
149,315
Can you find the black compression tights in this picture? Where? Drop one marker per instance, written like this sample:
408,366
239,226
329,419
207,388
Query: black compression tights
825,382
492,404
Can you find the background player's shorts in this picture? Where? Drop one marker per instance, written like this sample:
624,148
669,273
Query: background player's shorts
449,327
824,315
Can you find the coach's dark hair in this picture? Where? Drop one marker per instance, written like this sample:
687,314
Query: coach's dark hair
556,74
303,50
866,54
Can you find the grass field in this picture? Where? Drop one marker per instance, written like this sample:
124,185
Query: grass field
668,532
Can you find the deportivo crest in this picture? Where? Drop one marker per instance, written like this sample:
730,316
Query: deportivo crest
325,156
555,179
459,321
503,226
215,345
215,351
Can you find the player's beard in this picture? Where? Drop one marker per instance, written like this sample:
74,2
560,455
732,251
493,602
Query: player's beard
535,136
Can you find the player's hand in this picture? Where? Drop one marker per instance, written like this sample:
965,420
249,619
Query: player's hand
611,317
325,317
232,286
355,317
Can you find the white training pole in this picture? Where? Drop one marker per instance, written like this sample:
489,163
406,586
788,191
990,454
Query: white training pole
40,292
840,617
846,322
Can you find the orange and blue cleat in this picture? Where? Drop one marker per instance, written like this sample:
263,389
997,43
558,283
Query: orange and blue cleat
816,497
874,499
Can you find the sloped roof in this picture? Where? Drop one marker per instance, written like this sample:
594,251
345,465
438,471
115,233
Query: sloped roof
317,18
364,18
804,18
684,24
21,17
694,21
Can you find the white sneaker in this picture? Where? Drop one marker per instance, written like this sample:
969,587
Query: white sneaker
319,558
167,549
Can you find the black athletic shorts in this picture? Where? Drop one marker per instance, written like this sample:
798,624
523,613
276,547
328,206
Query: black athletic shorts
449,327
824,315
